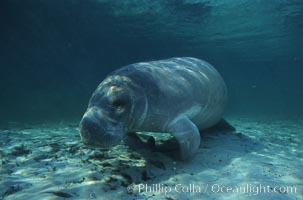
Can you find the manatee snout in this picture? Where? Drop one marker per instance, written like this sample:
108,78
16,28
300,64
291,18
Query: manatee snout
98,131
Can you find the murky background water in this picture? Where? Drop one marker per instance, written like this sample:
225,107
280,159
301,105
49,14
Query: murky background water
54,53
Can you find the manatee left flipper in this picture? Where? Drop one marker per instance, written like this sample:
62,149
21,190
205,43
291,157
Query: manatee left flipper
187,135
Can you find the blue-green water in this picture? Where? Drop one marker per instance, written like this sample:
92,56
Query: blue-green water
54,53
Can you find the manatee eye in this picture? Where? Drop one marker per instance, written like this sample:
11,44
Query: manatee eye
119,103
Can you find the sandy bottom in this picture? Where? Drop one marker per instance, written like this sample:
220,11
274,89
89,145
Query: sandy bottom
262,159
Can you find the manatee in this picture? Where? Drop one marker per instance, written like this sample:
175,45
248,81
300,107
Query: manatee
180,96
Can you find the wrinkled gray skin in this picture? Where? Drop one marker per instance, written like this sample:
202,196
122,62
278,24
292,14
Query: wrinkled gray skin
178,95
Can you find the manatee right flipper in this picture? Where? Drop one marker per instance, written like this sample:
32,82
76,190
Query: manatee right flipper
134,141
187,135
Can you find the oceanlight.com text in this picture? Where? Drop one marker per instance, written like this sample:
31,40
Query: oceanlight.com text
253,189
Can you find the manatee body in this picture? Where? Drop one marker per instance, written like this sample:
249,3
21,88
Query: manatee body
178,95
